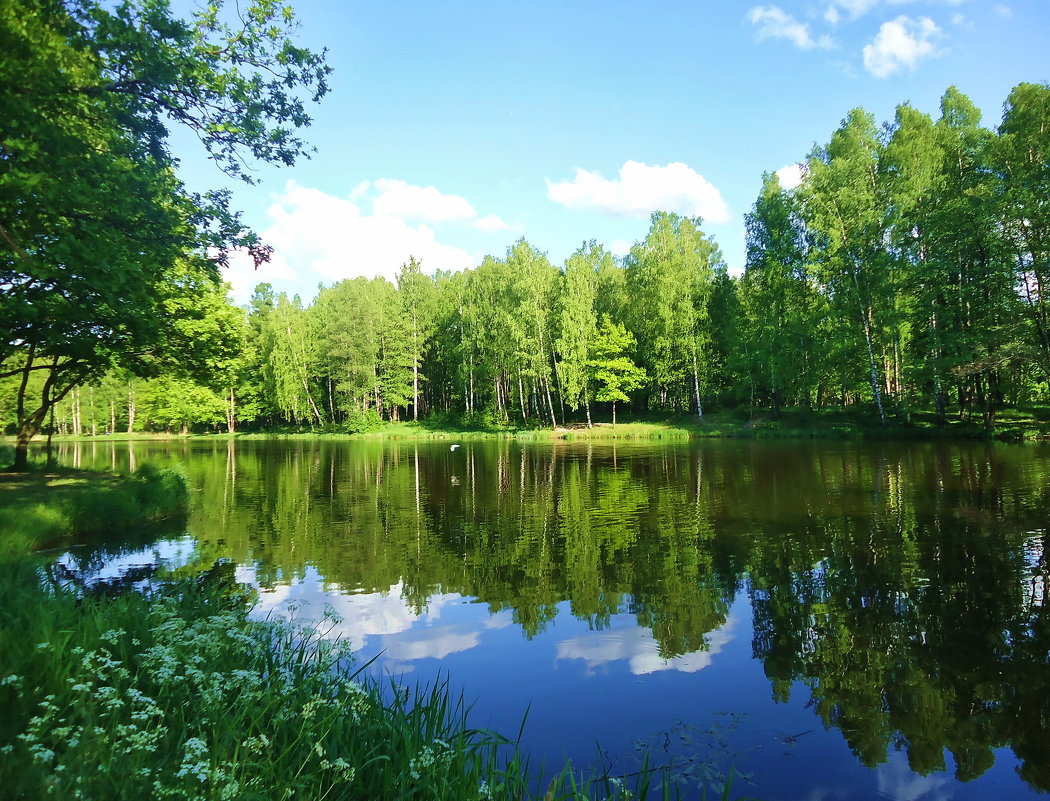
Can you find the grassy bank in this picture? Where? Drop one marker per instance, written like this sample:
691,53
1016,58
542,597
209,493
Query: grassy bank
791,424
1014,425
182,695
48,509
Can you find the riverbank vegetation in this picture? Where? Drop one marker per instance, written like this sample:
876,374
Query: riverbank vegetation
901,281
41,509
177,693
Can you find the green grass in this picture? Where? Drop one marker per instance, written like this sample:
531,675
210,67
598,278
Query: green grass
48,509
183,695
852,423
1030,422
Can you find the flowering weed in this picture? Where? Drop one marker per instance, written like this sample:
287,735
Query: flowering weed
182,695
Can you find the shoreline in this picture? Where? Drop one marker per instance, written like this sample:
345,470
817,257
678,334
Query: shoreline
790,427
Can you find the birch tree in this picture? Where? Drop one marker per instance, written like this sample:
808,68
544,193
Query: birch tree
845,212
670,275
578,320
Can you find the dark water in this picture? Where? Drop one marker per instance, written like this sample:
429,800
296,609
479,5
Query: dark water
836,621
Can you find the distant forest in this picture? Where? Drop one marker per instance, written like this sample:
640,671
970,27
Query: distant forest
906,273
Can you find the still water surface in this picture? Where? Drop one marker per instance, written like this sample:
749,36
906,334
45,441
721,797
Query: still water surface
835,620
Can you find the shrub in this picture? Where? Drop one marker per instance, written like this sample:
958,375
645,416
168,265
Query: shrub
362,422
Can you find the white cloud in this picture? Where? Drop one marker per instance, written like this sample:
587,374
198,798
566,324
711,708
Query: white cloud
641,651
852,8
431,643
642,189
900,43
1003,11
318,237
490,222
775,23
397,198
790,176
896,780
243,275
363,615
837,10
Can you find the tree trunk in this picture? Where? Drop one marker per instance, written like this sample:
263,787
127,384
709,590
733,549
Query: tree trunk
550,403
415,369
521,397
25,433
50,434
22,449
231,414
865,314
29,424
696,387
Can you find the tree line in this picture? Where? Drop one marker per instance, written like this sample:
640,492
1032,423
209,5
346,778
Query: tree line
904,274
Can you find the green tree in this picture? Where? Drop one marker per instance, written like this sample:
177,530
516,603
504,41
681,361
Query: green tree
1023,161
845,211
578,320
415,293
293,358
611,366
776,298
94,220
670,276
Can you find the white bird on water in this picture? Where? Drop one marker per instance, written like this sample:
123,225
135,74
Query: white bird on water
453,447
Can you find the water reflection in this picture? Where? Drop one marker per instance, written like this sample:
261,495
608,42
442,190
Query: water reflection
639,649
898,592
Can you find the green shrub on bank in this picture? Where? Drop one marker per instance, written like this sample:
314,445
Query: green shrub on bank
362,422
23,526
182,695
36,512
149,494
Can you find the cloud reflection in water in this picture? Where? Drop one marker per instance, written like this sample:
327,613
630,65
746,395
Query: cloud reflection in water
640,649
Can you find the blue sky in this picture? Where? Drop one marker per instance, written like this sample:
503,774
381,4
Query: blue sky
453,129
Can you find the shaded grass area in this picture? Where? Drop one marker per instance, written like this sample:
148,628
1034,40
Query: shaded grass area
180,694
46,509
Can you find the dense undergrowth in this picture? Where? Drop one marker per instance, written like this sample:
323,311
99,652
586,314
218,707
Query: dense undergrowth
178,693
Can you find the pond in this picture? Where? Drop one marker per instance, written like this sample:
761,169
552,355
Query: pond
829,620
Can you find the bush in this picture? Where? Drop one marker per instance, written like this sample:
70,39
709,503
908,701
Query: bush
7,455
160,493
26,526
38,514
359,422
150,494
